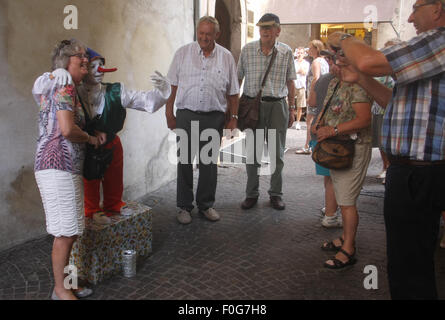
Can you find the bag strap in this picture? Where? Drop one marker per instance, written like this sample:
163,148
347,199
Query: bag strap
325,108
272,59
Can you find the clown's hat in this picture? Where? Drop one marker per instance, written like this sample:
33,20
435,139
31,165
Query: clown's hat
93,55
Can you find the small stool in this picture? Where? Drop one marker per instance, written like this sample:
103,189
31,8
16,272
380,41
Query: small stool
97,254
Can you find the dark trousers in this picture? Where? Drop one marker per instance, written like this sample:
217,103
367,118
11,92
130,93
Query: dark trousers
205,194
414,199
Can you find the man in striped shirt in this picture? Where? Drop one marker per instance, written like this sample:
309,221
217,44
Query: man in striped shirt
274,111
204,87
413,136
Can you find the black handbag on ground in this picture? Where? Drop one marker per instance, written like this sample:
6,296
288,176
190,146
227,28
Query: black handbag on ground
249,108
334,152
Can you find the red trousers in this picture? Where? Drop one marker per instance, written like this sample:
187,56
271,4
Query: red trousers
112,184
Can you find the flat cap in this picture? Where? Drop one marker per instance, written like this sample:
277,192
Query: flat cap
269,19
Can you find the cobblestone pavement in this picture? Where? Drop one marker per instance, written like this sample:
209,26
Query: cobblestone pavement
256,254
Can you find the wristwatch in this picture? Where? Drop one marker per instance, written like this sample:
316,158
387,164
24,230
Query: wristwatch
345,36
336,131
235,116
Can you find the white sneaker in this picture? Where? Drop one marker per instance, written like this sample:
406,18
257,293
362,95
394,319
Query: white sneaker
101,218
382,175
298,126
323,210
211,214
184,217
332,222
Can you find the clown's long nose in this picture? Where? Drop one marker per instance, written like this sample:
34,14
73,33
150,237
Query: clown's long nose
103,70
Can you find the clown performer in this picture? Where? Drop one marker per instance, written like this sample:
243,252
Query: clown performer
106,104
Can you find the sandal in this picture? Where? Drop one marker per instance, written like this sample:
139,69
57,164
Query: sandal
338,264
303,151
330,246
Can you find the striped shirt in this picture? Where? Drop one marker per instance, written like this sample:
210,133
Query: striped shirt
253,64
414,121
203,83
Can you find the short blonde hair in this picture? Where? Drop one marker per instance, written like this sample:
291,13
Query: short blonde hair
317,44
211,20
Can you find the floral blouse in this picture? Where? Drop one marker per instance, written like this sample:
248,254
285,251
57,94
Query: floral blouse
340,108
54,151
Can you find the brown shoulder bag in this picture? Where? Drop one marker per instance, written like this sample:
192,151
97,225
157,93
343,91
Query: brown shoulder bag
249,108
334,152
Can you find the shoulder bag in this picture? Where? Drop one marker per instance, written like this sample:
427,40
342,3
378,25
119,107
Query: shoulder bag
249,108
334,152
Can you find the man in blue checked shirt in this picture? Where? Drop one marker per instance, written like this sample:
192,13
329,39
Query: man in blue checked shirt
413,136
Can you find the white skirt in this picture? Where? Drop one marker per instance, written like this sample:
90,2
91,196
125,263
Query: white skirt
62,197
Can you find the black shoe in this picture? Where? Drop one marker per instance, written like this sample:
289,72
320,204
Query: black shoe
248,203
277,203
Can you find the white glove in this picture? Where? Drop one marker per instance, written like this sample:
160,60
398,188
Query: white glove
62,77
162,84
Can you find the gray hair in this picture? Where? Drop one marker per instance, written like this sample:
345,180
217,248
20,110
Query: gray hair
392,42
211,20
62,52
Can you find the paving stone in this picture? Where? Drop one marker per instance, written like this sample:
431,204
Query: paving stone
249,254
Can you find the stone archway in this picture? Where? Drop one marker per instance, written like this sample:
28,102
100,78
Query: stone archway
231,15
224,18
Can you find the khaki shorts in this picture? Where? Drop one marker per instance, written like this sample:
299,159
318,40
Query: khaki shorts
348,183
300,98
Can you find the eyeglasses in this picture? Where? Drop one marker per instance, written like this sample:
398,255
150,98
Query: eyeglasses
417,6
80,55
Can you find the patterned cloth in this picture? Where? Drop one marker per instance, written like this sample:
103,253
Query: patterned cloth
389,82
97,254
340,108
203,83
54,151
414,121
253,64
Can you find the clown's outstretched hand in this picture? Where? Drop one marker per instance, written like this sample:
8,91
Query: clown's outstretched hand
161,83
62,77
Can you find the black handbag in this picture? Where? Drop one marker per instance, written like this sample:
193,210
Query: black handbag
96,162
249,108
334,152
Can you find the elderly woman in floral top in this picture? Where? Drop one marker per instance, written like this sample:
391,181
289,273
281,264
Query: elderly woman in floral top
59,158
348,113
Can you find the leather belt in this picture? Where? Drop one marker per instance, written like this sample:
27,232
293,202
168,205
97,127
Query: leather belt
408,162
270,99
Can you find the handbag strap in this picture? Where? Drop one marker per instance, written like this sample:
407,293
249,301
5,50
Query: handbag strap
272,59
325,108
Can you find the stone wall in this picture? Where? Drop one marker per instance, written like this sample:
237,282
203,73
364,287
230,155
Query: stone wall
135,36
